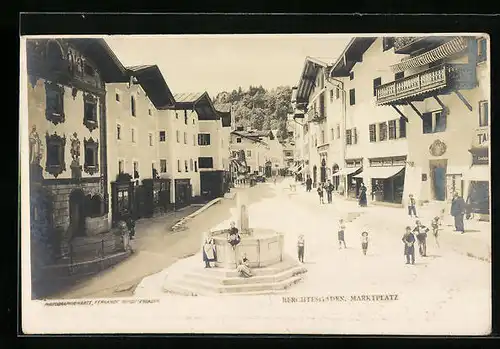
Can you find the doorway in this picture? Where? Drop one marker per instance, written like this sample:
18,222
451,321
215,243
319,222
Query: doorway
438,178
77,213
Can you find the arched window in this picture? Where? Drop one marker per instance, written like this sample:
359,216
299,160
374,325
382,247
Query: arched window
55,58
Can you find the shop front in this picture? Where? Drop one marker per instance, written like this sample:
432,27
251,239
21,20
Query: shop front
349,186
386,177
477,180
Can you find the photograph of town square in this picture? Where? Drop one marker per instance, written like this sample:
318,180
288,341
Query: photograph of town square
163,167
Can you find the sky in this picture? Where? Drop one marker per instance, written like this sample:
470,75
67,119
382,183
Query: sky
197,63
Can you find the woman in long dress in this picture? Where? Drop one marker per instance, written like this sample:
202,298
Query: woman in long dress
209,252
244,267
362,196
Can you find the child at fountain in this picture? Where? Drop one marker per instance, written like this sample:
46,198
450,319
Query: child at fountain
244,267
209,252
234,236
341,233
300,247
364,242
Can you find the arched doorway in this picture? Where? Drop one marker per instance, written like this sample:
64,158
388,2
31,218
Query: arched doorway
323,171
77,213
315,175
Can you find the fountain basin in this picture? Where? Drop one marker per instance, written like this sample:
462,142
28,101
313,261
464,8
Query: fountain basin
262,247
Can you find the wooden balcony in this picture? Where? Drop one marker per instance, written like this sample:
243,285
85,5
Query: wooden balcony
314,116
411,44
439,80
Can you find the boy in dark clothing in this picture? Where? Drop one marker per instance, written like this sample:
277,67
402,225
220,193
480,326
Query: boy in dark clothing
300,248
412,209
435,228
409,241
421,233
329,190
320,194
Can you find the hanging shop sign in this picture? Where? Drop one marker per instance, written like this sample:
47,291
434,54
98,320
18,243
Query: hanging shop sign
479,156
481,139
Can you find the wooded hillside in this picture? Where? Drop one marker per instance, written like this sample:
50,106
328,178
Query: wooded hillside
259,108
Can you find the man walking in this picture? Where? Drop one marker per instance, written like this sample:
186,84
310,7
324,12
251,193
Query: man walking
308,183
458,211
409,241
421,232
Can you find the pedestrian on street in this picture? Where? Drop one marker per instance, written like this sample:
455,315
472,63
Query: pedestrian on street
209,252
457,211
362,196
320,194
409,241
341,232
435,229
244,267
364,242
300,248
412,209
308,183
421,233
329,191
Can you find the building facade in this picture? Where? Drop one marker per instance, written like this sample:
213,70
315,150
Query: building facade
134,142
68,123
444,93
255,148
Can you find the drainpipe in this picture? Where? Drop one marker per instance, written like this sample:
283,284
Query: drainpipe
344,116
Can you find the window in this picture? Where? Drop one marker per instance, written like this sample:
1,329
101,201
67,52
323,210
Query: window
185,117
337,93
193,121
118,132
483,113
176,115
185,138
186,166
382,129
338,131
163,136
121,166
195,166
482,50
427,123
322,111
332,134
352,96
91,164
440,122
348,137
249,153
331,96
351,75
402,127
132,105
191,164
150,112
132,131
177,136
136,170
163,165
373,132
399,75
150,139
89,111
55,154
117,97
204,139
354,135
376,83
322,137
178,165
54,102
238,140
392,129
206,162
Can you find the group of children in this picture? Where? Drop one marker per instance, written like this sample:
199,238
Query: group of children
416,234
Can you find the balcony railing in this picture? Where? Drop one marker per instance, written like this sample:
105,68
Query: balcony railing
409,44
438,80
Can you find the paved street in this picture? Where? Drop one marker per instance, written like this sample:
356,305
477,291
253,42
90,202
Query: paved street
443,290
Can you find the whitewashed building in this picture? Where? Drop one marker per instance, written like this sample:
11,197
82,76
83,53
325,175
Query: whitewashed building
255,147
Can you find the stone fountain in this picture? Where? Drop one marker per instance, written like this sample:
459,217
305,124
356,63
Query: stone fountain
273,270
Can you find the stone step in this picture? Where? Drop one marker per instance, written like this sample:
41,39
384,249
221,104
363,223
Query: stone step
188,291
275,269
213,288
274,278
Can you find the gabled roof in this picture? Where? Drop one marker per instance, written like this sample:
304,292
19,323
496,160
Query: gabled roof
198,101
224,111
352,54
110,67
153,83
307,80
253,136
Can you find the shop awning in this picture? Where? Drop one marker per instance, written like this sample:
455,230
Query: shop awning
380,172
477,173
346,171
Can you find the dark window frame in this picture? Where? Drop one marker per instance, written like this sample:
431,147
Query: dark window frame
118,132
372,130
482,56
204,139
206,162
54,103
133,111
185,117
376,83
348,137
90,103
163,169
427,123
352,96
402,126
238,140
392,129
91,163
439,124
162,136
487,116
178,165
382,129
399,75
351,75
55,160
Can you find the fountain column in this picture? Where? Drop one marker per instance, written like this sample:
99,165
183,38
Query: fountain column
242,221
